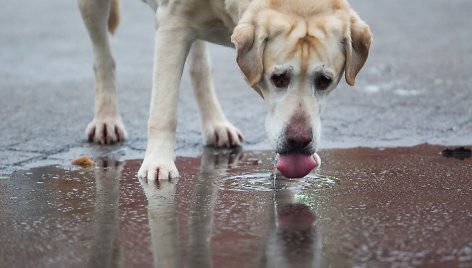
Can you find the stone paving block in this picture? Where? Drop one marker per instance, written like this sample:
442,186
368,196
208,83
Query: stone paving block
9,157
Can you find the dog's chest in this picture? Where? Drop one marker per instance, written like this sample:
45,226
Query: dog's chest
220,35
213,20
219,23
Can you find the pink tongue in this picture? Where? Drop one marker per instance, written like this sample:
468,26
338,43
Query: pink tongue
296,165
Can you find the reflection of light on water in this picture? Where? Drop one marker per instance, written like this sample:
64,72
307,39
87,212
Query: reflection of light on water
249,182
308,200
265,182
310,182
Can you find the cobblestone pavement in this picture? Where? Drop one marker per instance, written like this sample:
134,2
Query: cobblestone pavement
414,89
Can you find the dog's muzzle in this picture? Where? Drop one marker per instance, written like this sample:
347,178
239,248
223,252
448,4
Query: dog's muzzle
297,153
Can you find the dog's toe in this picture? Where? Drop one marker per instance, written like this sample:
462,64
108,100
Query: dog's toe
106,131
223,135
158,170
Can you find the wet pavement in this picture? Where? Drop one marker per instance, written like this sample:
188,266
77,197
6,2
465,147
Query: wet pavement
366,207
397,207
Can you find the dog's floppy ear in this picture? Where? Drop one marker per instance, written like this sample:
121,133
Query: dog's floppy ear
250,48
357,43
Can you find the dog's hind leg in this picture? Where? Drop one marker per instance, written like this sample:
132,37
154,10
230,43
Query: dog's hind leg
100,16
217,130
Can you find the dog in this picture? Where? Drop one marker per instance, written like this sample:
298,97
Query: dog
293,53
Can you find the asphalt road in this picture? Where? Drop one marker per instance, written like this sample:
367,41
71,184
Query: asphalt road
414,89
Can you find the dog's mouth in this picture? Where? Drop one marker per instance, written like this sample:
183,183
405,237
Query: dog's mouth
297,165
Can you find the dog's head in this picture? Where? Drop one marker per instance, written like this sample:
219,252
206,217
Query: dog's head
294,53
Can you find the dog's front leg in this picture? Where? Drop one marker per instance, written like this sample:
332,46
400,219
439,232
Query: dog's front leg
172,44
106,126
217,130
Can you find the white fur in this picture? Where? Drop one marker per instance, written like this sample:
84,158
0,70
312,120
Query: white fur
107,117
182,28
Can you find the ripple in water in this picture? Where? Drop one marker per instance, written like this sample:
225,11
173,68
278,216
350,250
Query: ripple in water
264,182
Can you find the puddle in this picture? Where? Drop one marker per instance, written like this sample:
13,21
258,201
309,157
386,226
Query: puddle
460,153
267,182
250,182
365,207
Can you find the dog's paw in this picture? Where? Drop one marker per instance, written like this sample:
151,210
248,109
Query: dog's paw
222,134
155,168
106,131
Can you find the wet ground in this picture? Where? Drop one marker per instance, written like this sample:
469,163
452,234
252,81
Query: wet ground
370,207
396,207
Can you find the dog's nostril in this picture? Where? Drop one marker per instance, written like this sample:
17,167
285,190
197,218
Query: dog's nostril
299,142
298,137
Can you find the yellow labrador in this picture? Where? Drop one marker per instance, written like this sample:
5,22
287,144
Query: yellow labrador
292,52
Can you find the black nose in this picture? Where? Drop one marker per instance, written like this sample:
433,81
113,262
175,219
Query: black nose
298,137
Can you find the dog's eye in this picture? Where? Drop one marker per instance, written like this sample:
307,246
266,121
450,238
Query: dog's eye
322,82
281,80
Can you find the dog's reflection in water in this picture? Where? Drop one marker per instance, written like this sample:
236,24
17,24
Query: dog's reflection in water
163,219
105,250
291,235
163,222
294,240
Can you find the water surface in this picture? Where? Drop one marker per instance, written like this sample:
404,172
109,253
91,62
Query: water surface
365,207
